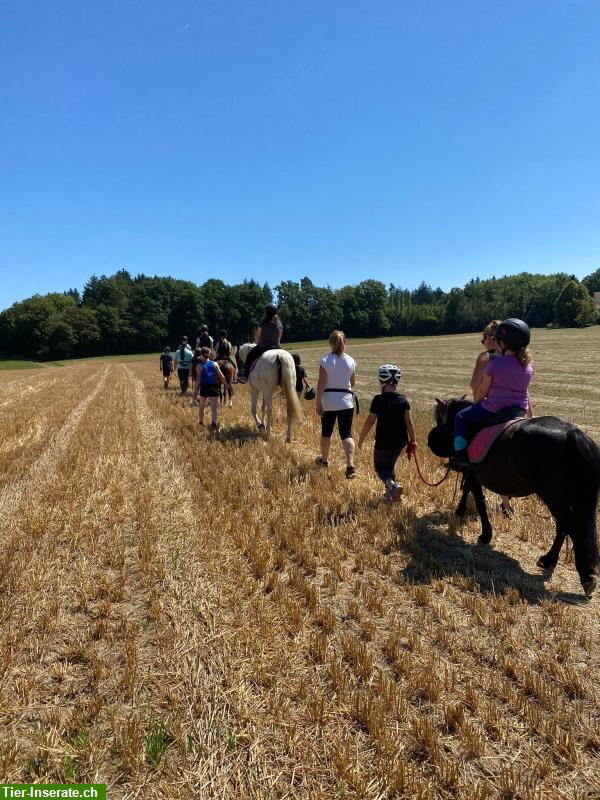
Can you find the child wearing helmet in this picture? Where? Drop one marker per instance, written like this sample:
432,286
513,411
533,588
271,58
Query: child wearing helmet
395,429
505,384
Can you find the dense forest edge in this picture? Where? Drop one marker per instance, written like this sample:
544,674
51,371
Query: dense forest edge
121,314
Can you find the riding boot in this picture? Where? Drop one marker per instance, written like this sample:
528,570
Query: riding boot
459,460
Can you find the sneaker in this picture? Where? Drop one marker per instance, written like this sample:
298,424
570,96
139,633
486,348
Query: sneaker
320,463
350,473
395,491
241,379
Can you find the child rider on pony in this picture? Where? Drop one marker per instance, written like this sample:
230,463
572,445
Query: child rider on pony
505,383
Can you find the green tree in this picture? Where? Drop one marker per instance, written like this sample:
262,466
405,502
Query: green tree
592,282
574,306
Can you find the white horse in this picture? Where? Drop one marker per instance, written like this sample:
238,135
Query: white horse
265,378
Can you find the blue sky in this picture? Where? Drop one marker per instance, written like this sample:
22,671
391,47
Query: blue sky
341,140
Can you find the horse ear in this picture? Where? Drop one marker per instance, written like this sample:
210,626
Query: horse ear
440,403
464,397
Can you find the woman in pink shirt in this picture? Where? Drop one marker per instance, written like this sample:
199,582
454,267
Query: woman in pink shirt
504,384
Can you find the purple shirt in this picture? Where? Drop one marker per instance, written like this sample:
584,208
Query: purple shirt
509,386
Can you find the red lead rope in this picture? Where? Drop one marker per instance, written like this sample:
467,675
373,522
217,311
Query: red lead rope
424,479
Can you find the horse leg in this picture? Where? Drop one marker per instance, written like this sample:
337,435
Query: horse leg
473,485
462,503
230,391
562,516
253,403
267,408
585,547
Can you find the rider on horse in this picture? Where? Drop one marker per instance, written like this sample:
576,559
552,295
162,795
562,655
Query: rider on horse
204,340
268,336
223,349
504,385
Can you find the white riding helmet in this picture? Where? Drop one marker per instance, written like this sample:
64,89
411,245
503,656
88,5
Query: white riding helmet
388,373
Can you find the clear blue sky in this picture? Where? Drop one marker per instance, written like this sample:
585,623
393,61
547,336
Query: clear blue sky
342,140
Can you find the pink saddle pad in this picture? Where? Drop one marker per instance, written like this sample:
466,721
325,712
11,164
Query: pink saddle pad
480,445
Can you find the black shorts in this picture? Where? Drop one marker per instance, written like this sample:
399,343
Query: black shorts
209,390
344,421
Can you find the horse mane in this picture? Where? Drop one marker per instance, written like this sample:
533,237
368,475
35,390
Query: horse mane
445,409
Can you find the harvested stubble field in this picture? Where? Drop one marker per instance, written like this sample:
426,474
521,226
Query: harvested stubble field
187,615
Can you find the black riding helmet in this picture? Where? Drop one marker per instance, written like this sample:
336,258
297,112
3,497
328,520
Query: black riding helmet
270,310
514,333
204,328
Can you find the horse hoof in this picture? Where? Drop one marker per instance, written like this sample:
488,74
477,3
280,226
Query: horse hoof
260,426
483,539
543,565
590,586
288,440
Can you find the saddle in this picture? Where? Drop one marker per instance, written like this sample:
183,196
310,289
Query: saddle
483,440
256,360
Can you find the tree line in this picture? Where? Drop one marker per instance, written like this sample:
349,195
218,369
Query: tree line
121,314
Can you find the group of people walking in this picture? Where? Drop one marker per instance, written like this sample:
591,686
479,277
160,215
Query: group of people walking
201,368
499,382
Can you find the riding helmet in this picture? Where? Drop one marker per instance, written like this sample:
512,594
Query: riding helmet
270,309
310,394
388,373
514,333
204,328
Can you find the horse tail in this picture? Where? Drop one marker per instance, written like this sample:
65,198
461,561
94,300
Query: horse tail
288,382
583,470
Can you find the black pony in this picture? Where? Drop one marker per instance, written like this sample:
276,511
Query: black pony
546,456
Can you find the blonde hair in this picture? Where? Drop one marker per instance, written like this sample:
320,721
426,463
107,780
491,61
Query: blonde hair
524,356
337,341
490,328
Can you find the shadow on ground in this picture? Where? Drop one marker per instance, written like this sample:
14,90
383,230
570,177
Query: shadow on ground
435,550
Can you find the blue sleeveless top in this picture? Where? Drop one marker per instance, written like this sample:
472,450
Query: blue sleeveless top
208,373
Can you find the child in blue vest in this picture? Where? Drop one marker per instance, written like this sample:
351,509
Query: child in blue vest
208,378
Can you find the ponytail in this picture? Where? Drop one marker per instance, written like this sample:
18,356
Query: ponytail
337,341
523,355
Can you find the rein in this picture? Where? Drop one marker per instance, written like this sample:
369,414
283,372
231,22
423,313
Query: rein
448,470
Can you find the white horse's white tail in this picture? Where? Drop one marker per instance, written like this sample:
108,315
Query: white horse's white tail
288,381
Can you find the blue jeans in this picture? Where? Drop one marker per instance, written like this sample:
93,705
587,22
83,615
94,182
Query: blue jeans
464,422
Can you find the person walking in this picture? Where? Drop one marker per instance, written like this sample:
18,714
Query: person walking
206,387
166,365
395,429
301,376
183,359
335,400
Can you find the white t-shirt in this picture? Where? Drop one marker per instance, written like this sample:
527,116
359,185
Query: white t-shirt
339,370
